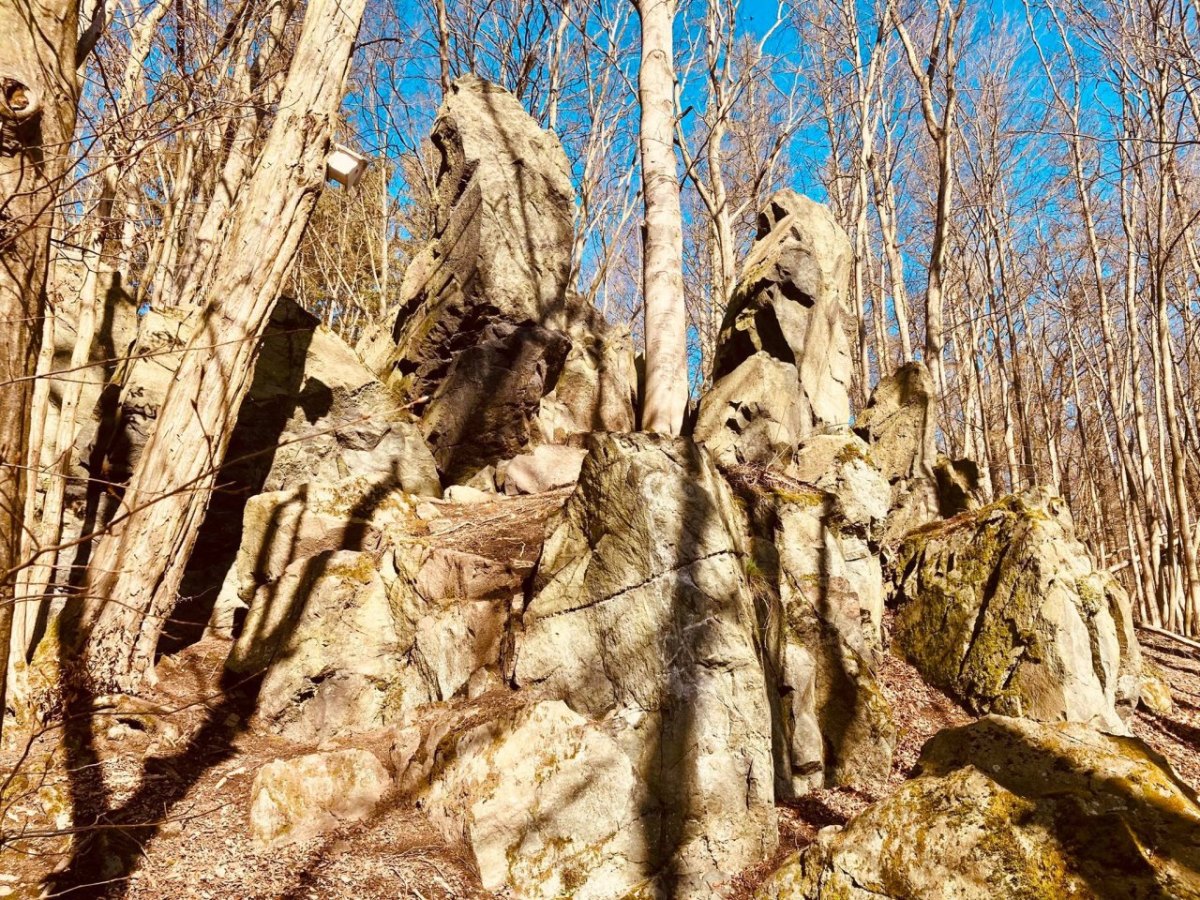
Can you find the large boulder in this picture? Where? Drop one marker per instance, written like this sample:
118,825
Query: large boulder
297,799
1003,608
1012,808
642,614
488,323
787,305
548,803
283,528
751,415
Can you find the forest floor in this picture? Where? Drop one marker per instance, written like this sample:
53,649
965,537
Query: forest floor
178,797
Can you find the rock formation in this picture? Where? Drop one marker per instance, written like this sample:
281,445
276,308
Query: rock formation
781,367
549,803
1003,608
642,615
359,611
818,587
1011,808
488,324
900,425
296,799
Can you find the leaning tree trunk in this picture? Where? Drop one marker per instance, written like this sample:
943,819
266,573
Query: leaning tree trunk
135,572
666,386
39,93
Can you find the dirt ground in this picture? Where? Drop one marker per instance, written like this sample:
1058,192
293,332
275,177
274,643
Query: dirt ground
177,791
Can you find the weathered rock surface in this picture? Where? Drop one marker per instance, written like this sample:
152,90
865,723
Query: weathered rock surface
900,425
817,584
642,614
1002,608
549,804
360,610
752,415
281,528
332,649
596,389
297,799
488,324
544,469
1012,808
313,410
787,305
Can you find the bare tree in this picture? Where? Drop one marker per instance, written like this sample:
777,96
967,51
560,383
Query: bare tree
666,386
135,572
39,92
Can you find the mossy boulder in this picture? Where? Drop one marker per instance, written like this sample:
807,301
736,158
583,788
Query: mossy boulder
1012,808
1003,608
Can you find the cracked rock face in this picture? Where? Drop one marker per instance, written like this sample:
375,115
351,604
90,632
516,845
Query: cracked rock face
488,322
1003,608
1013,808
643,619
784,328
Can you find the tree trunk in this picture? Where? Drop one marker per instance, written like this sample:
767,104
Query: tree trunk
666,387
137,567
39,92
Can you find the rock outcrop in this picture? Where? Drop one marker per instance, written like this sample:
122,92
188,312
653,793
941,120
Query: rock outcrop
817,585
781,367
331,646
642,617
1002,608
488,324
900,425
365,602
297,799
548,803
1012,808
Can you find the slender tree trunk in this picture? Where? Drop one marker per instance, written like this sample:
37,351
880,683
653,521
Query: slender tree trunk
666,387
137,566
39,92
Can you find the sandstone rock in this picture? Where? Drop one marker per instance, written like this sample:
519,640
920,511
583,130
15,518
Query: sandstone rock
596,390
642,613
281,528
899,423
548,803
959,486
483,408
1011,808
332,649
818,584
544,469
298,799
488,325
1154,693
1003,608
752,415
349,641
313,411
842,465
464,493
789,303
